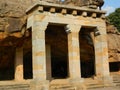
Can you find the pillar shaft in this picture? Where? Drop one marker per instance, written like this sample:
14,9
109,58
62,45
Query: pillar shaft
19,64
101,56
39,53
74,53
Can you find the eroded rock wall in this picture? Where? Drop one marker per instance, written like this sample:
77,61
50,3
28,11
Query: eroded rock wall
113,43
12,22
12,15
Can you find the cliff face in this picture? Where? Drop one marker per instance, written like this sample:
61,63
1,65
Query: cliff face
12,24
13,19
113,43
14,8
12,15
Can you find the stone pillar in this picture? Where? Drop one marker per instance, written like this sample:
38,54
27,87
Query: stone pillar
39,52
74,53
48,62
101,56
19,64
39,56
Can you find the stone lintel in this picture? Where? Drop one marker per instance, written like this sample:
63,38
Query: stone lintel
59,7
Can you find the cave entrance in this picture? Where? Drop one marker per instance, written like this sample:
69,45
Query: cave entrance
87,52
56,39
114,66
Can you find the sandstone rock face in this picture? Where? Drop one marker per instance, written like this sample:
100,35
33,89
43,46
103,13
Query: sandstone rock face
12,21
12,14
14,8
113,43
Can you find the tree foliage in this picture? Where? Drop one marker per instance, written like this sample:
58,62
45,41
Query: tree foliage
114,18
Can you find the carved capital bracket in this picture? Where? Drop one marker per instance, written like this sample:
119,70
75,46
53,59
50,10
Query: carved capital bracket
72,28
40,26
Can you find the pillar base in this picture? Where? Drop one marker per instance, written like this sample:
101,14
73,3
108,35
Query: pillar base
39,85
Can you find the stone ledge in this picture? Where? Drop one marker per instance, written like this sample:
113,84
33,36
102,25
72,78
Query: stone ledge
44,6
39,85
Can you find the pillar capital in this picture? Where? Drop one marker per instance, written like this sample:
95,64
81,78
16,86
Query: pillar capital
41,26
73,27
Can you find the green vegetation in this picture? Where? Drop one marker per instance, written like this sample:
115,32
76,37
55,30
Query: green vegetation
114,18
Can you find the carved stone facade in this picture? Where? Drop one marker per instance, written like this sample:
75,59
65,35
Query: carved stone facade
75,20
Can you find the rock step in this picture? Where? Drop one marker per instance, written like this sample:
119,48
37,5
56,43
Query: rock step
15,87
92,86
61,84
62,87
116,79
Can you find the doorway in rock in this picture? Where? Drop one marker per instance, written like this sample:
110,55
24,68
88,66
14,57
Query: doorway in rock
7,57
27,56
56,38
114,66
87,52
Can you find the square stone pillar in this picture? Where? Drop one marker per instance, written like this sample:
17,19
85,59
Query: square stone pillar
39,51
101,56
19,64
39,57
74,52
